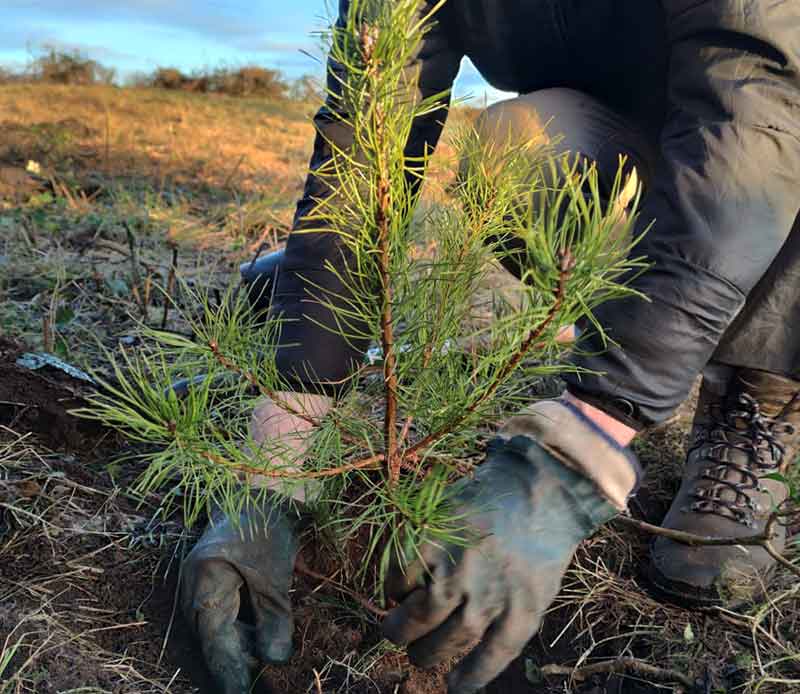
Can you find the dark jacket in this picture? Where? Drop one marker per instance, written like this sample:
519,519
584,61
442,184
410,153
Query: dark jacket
717,81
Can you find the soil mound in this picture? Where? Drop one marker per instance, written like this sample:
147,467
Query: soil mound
38,394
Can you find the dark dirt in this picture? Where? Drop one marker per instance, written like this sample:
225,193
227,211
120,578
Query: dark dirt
98,592
40,401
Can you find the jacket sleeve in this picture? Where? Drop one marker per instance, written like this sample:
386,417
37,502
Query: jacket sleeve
724,202
312,355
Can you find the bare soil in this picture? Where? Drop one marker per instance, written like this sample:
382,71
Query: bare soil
39,401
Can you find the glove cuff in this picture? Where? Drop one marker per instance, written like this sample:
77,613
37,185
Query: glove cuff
579,444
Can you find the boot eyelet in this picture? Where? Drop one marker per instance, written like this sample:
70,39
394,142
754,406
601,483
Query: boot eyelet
626,407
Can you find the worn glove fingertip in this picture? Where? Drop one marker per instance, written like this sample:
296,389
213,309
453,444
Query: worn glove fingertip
229,666
274,640
230,683
392,626
424,659
278,652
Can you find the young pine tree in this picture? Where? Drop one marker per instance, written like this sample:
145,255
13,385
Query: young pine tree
379,466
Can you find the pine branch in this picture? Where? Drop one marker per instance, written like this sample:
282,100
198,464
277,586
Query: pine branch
273,396
566,263
301,568
226,363
360,464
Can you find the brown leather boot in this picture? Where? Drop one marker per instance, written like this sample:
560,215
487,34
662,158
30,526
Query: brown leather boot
744,429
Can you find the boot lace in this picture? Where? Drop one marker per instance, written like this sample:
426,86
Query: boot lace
744,429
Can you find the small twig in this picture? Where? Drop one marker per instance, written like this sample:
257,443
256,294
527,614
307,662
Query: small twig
763,539
233,172
174,603
618,666
110,245
135,274
693,540
317,682
406,428
759,617
272,395
148,286
253,381
59,187
778,557
361,464
50,319
170,285
301,568
47,333
107,139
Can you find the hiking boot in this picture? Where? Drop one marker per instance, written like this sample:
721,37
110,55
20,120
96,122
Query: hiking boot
745,429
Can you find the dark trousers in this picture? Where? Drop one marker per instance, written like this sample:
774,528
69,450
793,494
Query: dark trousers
766,333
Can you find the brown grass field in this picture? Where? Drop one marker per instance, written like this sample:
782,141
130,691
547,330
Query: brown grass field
121,183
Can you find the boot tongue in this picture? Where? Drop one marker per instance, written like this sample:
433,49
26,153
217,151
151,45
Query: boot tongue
777,396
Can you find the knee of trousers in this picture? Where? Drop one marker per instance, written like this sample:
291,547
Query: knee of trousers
568,122
558,122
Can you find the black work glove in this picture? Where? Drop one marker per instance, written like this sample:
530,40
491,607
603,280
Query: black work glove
530,511
260,553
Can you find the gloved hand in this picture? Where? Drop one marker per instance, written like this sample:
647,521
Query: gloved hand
259,553
548,482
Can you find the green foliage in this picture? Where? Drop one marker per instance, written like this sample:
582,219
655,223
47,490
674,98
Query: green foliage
382,464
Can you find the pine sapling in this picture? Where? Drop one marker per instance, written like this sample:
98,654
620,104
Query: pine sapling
378,469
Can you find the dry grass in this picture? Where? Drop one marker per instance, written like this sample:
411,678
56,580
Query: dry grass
252,142
71,555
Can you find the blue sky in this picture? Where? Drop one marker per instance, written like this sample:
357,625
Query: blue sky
136,35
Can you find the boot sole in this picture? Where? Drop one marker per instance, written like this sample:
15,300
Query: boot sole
685,595
681,594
